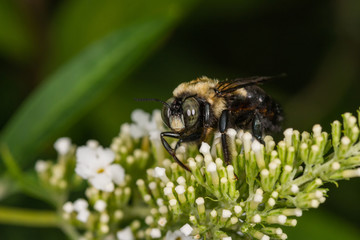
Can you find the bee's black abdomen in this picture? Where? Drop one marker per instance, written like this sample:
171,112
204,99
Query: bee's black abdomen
251,101
278,117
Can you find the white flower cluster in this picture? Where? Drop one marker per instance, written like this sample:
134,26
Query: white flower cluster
146,124
63,145
54,173
96,165
80,207
266,186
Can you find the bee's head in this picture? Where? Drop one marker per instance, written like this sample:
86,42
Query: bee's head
181,113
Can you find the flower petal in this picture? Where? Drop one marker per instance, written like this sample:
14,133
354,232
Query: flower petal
102,182
106,155
62,145
116,172
136,131
125,234
140,117
85,153
83,215
176,235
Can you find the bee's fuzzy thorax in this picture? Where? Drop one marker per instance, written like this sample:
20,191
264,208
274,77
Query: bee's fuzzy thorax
202,87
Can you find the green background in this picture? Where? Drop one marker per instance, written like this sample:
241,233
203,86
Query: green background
73,68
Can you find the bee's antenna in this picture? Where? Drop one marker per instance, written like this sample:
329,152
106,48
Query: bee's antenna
151,99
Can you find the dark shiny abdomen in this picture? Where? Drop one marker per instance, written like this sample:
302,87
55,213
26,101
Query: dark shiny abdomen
243,109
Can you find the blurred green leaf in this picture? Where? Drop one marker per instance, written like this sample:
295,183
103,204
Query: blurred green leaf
90,20
27,217
15,37
28,183
7,187
319,224
79,84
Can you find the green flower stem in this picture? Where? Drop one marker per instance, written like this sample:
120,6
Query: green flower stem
26,217
136,212
318,170
36,218
69,230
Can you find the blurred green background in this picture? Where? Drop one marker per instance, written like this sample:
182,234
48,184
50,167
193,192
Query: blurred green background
73,68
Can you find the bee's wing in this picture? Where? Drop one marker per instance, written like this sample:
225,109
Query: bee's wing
229,86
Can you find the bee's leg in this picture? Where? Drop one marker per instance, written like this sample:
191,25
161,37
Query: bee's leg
191,138
257,127
223,126
170,150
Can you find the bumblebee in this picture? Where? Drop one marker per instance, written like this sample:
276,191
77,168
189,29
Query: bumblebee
202,106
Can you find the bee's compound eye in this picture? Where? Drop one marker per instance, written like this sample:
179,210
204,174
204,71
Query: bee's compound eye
191,110
165,113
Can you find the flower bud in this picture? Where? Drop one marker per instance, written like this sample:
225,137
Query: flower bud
213,217
313,185
174,206
282,151
169,193
285,176
272,231
180,190
191,195
316,130
344,145
278,219
224,186
161,173
154,189
336,134
290,156
261,236
247,142
186,229
258,149
288,133
196,171
225,215
354,134
238,210
200,202
211,168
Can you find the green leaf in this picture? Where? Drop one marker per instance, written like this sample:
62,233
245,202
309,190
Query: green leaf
27,217
28,183
90,20
75,88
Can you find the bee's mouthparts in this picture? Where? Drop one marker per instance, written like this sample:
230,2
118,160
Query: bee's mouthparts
177,123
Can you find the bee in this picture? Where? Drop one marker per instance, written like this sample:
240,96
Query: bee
202,106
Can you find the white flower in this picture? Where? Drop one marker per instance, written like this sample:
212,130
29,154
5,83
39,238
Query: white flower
62,145
155,233
92,143
95,165
41,166
205,148
125,234
68,207
186,229
144,124
80,205
104,218
100,205
177,235
83,215
159,172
